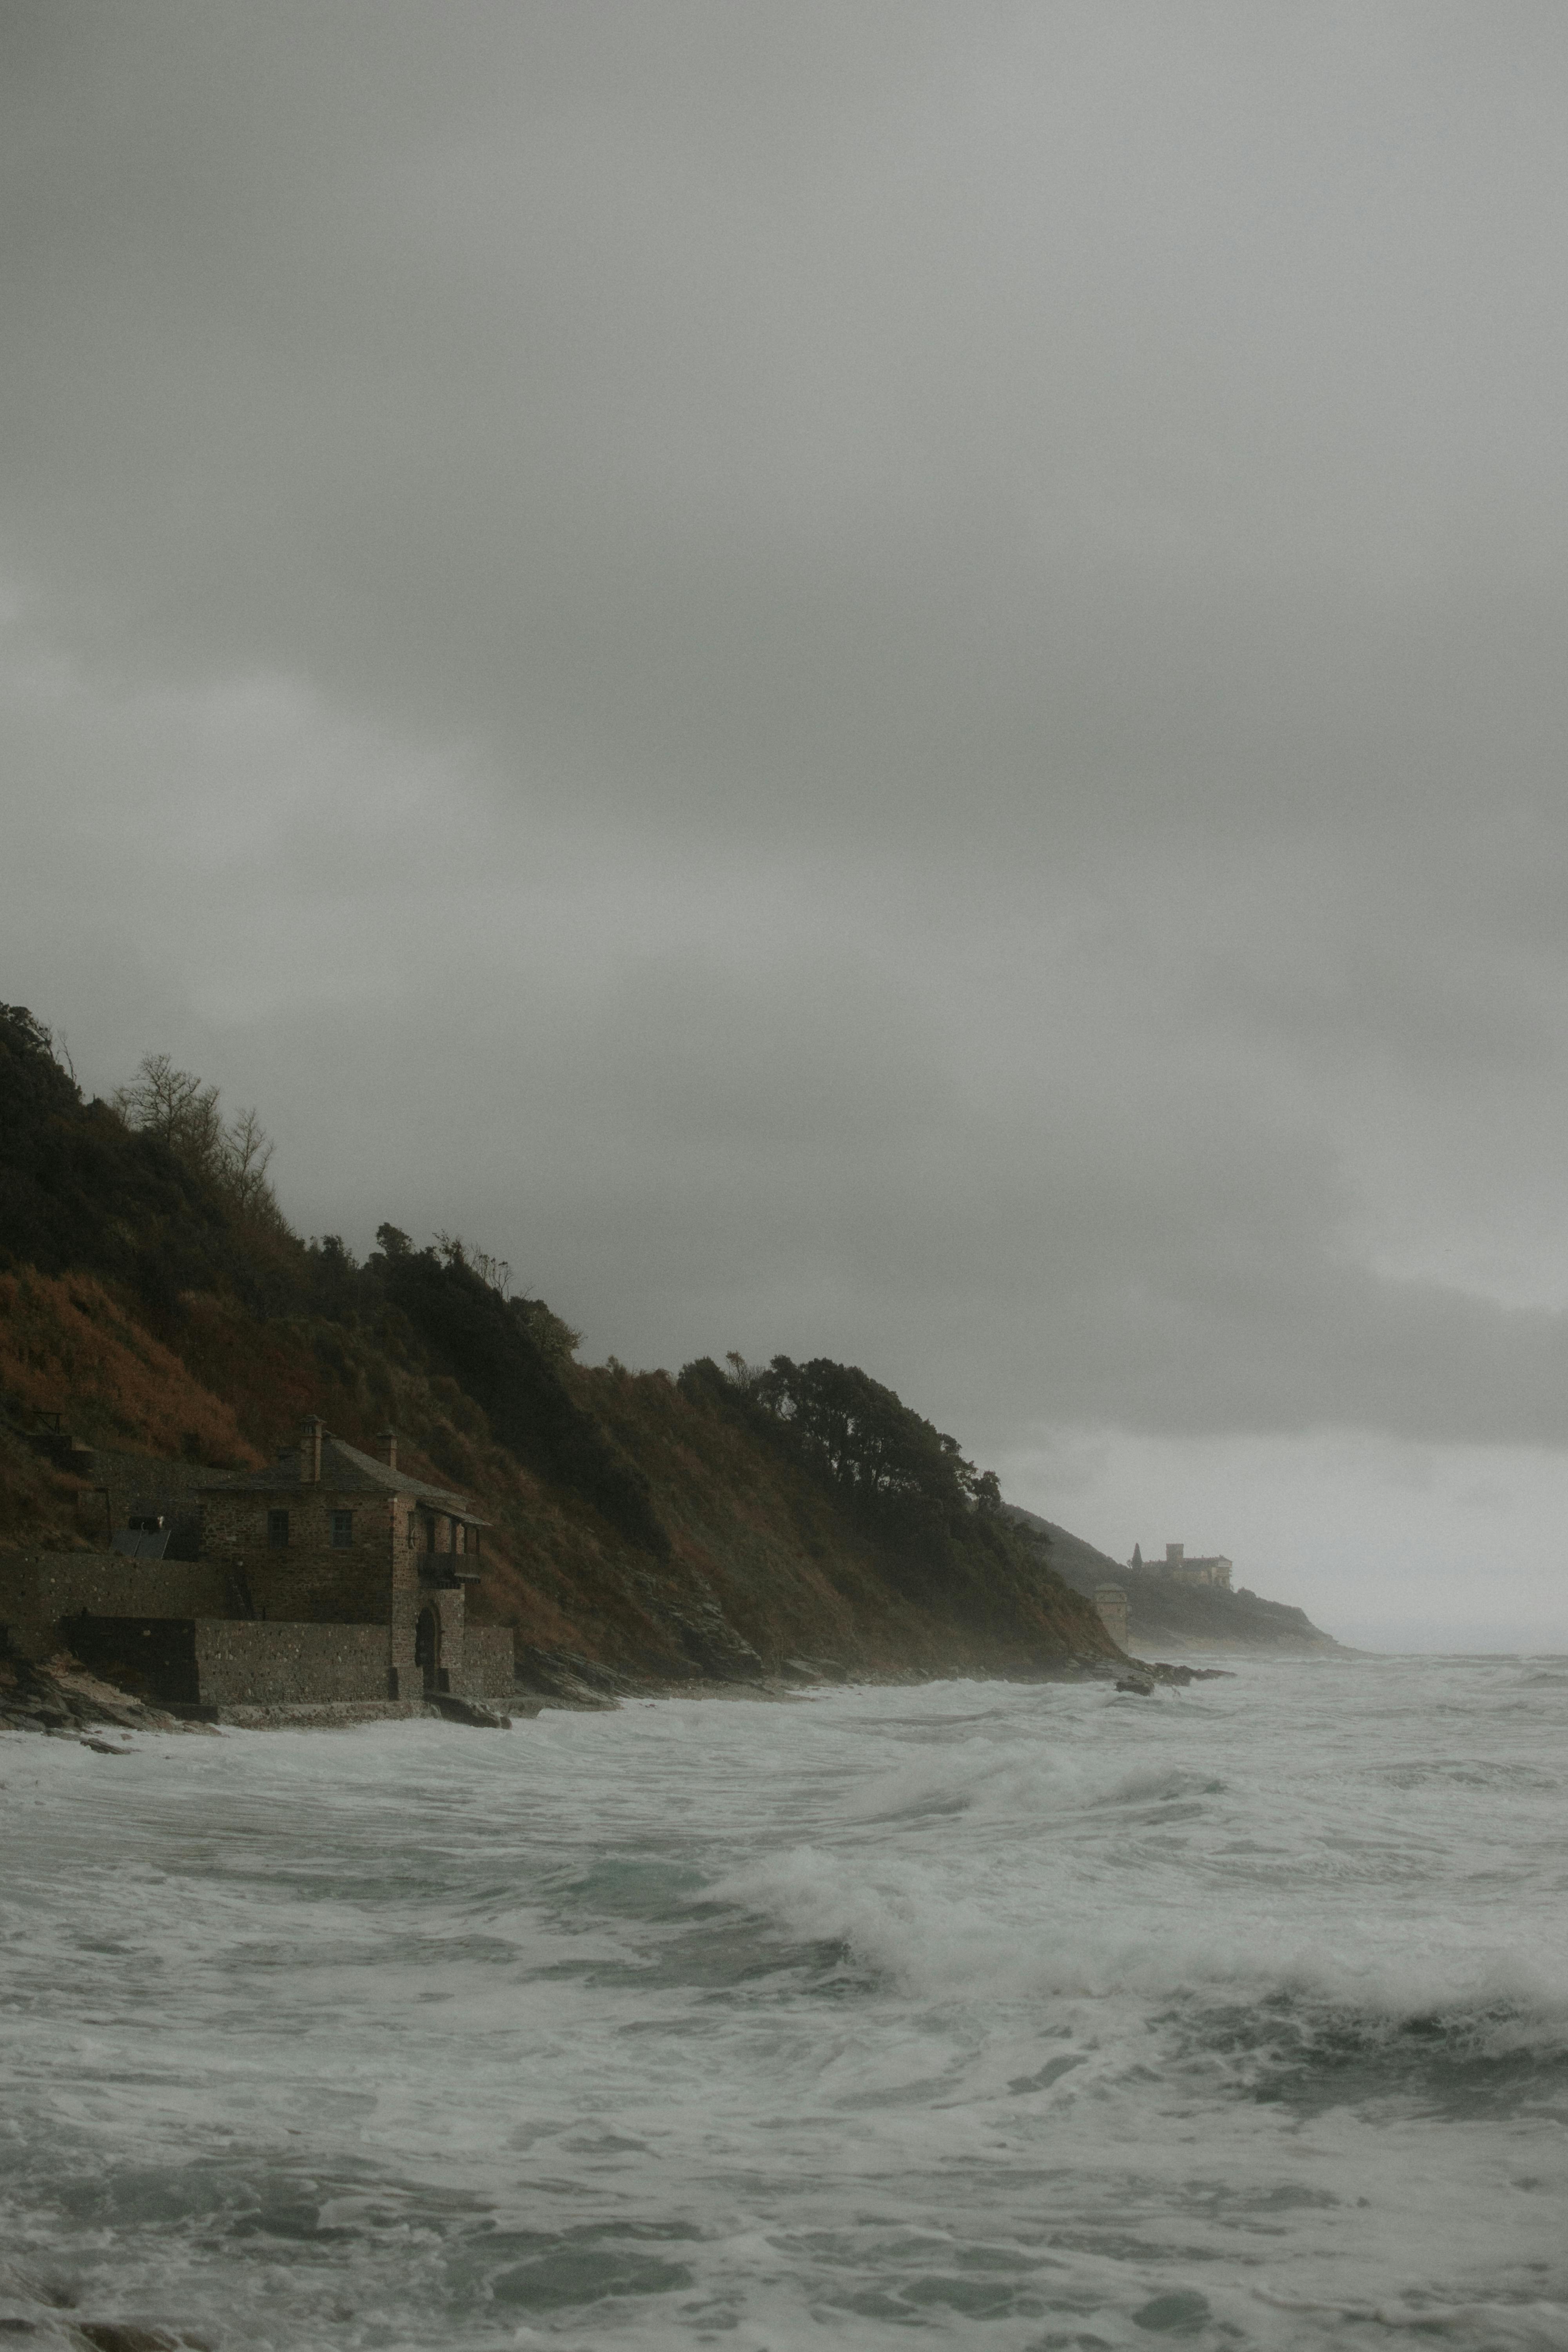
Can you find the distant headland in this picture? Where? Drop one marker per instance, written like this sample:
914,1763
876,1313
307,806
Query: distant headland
1178,1605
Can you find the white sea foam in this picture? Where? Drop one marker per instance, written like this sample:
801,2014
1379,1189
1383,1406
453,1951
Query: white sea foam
1238,2015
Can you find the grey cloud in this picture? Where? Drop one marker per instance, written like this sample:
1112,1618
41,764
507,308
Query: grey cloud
926,663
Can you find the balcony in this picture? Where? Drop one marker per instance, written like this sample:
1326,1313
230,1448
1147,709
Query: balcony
449,1567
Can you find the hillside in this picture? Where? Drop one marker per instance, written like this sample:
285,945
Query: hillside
1166,1619
644,1528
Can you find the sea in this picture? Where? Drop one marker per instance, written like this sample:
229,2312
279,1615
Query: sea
1004,2015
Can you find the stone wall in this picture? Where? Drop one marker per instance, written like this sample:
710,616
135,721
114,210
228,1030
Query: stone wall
43,1593
488,1671
321,1586
283,1665
238,1521
140,1485
271,1629
64,1583
405,1602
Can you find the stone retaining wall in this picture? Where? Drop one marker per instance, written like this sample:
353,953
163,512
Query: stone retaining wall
42,1592
488,1671
185,1630
276,1664
310,1585
65,1583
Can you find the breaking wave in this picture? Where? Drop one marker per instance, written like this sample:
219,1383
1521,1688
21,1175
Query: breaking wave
1238,2016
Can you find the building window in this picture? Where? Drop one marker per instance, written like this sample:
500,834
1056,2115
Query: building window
458,1544
343,1530
277,1530
413,1530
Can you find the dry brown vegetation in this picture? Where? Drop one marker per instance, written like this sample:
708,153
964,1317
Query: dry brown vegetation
66,1342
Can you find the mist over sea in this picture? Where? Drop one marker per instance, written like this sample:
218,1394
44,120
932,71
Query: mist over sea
978,2013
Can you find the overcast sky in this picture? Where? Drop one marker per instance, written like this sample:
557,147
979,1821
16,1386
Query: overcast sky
872,679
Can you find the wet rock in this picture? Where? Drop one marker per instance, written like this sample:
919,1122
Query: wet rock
62,1697
569,1680
467,1710
717,1651
1135,1686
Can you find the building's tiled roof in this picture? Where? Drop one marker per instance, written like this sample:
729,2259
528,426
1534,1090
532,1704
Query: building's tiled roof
345,1471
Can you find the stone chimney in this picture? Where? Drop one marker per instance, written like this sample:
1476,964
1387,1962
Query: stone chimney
310,1450
387,1443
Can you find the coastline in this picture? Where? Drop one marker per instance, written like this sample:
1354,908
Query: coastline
60,1698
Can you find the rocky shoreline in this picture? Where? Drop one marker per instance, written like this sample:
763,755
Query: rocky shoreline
61,1699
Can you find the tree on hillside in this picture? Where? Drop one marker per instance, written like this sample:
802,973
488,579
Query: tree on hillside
864,1438
175,1106
556,1339
904,1475
80,1187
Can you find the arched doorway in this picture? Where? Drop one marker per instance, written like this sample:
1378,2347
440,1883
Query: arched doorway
427,1648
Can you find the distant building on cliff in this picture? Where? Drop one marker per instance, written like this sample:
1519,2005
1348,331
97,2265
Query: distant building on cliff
1212,1569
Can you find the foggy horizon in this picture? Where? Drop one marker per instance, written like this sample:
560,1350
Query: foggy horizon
874,682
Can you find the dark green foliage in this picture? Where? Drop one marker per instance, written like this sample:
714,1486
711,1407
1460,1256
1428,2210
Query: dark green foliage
79,1188
494,1352
82,1188
231,1156
871,1447
554,1339
331,1274
904,1477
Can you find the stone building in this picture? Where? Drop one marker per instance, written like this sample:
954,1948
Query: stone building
327,1535
331,1575
1212,1568
1111,1602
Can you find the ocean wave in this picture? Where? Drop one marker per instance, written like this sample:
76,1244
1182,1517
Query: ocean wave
995,1780
911,1929
1237,2019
